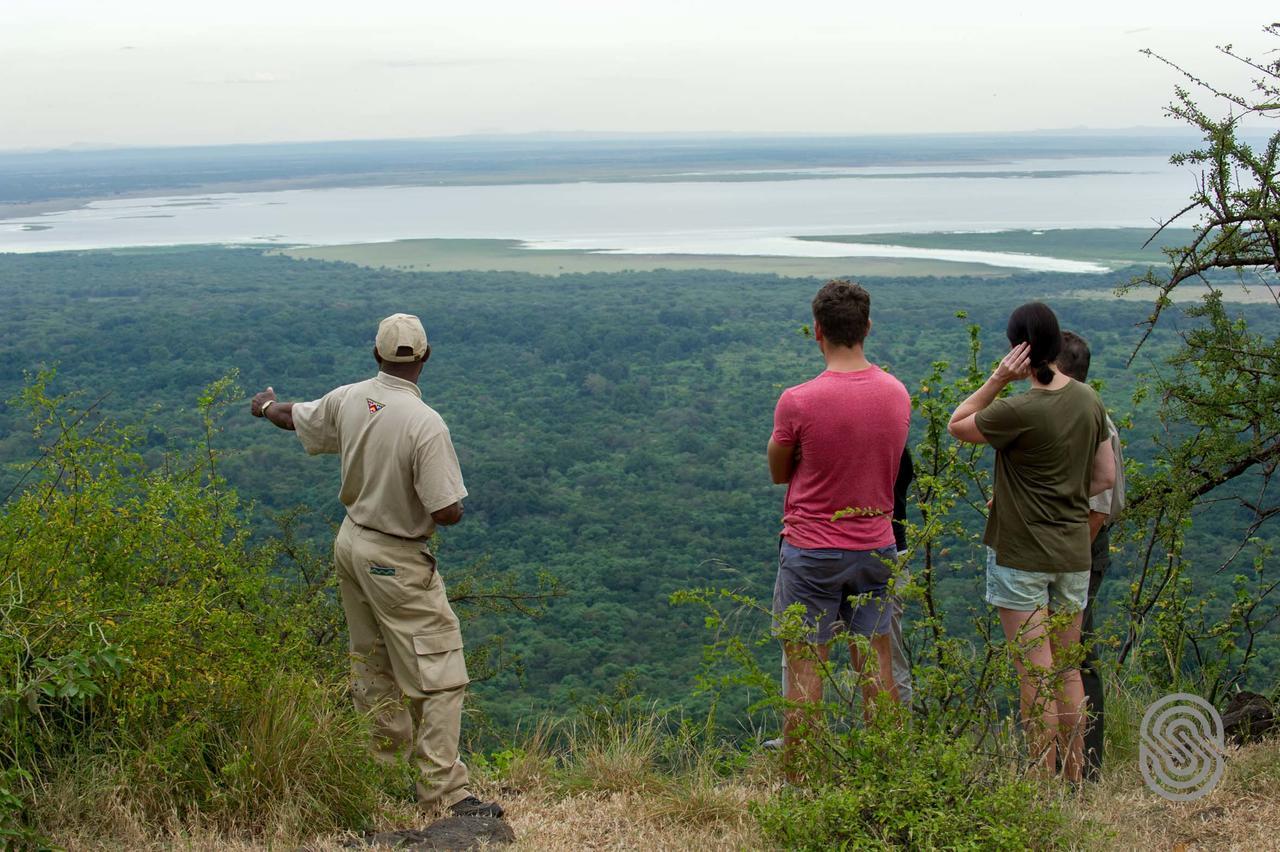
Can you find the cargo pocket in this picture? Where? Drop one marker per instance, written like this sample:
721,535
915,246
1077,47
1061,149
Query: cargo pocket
441,664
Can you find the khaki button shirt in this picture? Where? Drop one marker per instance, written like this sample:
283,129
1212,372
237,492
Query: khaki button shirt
398,463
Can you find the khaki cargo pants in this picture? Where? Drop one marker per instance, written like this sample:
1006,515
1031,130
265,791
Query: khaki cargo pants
405,643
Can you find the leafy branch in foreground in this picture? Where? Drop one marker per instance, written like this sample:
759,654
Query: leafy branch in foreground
1219,443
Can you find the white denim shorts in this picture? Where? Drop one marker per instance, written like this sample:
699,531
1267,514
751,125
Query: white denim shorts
1027,591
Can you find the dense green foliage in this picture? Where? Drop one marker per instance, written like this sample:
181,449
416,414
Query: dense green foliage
610,427
146,645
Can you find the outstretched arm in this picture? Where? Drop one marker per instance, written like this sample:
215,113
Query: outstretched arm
279,413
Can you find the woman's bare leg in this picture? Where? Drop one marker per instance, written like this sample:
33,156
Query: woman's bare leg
1070,699
1033,657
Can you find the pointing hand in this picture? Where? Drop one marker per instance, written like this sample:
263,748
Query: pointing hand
259,400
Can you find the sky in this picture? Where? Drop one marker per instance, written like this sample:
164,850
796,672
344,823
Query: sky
143,72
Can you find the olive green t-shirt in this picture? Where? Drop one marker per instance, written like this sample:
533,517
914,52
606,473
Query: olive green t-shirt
1045,443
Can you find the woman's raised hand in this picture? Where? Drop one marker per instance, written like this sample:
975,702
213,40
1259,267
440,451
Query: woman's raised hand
1015,366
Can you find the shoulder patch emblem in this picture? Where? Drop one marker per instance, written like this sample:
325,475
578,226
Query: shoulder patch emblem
374,406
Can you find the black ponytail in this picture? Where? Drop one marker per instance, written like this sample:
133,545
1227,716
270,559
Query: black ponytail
1035,323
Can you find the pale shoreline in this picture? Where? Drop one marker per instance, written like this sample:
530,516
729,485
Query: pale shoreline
444,255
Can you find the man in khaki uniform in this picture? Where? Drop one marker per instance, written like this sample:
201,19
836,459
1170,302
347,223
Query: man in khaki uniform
400,478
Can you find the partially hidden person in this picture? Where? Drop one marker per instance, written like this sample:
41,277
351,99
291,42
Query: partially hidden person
1104,508
897,647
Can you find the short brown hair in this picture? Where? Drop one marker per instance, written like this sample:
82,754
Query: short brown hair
843,309
1074,358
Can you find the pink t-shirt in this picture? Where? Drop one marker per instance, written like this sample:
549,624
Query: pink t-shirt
850,428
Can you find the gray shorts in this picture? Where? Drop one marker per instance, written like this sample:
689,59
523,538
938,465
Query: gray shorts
824,580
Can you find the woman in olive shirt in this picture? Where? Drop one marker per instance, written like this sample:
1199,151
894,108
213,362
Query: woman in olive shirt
1052,453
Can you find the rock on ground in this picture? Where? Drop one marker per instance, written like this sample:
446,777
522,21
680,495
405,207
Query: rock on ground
1249,717
451,833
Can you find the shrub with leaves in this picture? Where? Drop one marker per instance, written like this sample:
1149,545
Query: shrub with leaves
901,787
1219,403
146,645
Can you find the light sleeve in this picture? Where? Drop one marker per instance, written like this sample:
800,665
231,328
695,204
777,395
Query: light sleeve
1109,501
316,423
437,478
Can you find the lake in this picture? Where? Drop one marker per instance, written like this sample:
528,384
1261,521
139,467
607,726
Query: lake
755,212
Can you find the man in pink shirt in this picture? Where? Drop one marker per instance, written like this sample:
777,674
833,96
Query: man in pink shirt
837,442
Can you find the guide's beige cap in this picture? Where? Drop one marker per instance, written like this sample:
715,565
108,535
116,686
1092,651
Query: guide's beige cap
401,330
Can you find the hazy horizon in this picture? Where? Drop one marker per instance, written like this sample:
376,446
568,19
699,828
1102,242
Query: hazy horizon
589,135
154,74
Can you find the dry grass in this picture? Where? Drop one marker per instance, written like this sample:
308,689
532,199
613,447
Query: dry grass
615,821
632,820
617,757
126,831
602,787
607,788
551,806
692,817
1243,813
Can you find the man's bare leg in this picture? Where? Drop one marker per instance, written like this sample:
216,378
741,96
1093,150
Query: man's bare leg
880,681
804,687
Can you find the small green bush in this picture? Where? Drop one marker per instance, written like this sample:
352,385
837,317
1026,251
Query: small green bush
899,788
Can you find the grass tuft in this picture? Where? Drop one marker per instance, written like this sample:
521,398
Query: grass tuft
295,762
613,754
